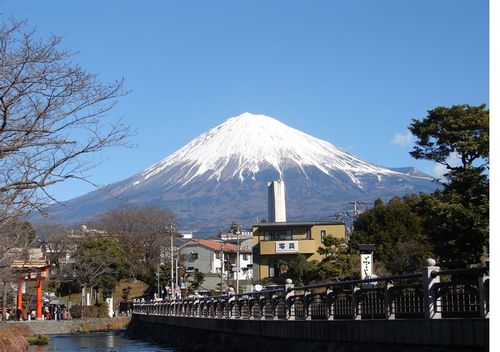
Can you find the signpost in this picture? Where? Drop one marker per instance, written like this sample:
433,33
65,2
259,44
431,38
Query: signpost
366,253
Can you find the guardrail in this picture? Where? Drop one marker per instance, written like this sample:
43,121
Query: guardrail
463,294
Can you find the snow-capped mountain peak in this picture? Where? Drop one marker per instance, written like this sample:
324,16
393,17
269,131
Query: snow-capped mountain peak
222,176
246,143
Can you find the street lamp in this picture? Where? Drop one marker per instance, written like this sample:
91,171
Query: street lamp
158,280
355,203
235,229
171,230
221,267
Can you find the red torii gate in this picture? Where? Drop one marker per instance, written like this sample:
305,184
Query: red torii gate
31,270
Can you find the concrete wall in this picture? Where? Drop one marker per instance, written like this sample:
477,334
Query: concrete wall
397,335
56,327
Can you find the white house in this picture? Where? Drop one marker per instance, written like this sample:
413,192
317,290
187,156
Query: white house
218,261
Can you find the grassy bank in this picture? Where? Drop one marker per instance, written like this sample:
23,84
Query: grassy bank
74,326
117,323
18,336
14,337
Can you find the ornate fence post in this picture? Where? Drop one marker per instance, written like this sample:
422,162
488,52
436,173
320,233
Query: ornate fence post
329,301
431,302
231,304
389,301
356,303
289,293
290,305
484,296
307,304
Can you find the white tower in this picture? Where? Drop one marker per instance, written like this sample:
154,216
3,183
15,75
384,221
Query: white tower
276,201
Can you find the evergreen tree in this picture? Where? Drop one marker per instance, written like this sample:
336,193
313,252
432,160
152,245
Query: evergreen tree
457,218
397,231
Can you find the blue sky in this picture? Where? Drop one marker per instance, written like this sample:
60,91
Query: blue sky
354,73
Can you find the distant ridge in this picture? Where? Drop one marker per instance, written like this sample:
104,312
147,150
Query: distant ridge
411,171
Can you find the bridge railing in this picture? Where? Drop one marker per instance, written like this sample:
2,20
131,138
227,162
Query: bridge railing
462,293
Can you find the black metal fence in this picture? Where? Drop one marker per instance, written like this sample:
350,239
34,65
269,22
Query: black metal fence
432,294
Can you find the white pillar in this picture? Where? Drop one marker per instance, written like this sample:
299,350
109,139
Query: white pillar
483,297
276,201
429,290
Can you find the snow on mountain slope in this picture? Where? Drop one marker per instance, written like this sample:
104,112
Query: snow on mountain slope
243,144
222,176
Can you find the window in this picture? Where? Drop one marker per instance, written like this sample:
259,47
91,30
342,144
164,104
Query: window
277,268
273,264
278,235
323,234
217,255
245,256
308,234
193,256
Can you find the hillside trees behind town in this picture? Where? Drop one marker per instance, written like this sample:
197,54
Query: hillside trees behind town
451,224
53,117
143,234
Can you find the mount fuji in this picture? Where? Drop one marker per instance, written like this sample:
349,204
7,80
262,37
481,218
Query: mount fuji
221,176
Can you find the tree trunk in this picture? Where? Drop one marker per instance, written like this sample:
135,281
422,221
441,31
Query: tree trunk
82,299
4,302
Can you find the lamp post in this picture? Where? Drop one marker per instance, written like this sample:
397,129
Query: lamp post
170,230
176,272
355,203
221,267
235,229
158,280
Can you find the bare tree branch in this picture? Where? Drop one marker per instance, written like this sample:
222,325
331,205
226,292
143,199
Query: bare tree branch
53,115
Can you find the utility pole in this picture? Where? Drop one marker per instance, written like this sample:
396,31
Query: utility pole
355,203
236,230
170,230
158,280
221,267
176,272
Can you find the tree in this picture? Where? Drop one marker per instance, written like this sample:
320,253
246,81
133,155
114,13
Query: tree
196,280
98,262
338,261
301,271
458,230
16,237
457,218
461,130
141,233
58,244
397,231
53,117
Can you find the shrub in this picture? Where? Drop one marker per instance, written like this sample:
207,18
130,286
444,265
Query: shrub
38,340
100,311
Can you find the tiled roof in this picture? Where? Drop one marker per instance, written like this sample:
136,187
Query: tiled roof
216,245
29,264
